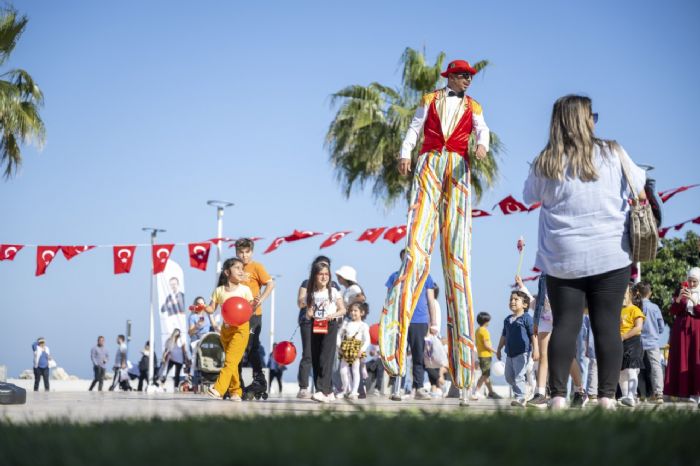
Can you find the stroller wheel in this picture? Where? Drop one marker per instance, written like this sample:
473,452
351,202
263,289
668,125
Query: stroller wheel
264,395
257,396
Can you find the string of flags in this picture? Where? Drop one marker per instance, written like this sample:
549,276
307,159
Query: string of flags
123,255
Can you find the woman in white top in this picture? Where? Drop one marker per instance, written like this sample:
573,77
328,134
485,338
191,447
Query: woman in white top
583,245
176,355
347,277
325,306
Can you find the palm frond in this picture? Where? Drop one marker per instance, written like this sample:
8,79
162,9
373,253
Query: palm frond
11,28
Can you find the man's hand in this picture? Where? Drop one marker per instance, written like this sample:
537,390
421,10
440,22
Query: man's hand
256,302
480,152
434,330
404,166
498,354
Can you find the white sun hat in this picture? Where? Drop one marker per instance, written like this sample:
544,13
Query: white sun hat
347,273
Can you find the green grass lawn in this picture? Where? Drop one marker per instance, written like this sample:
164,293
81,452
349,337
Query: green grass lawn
591,438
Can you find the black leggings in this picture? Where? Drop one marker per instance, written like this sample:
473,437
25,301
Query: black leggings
604,294
323,350
253,350
305,365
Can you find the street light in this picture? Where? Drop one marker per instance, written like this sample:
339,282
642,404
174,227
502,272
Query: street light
154,232
220,206
272,313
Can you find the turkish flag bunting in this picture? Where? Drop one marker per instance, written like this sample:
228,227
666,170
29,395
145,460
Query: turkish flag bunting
395,234
199,254
9,251
371,234
70,252
510,206
334,238
123,258
275,244
479,213
161,254
217,240
679,226
534,206
663,231
44,256
297,235
669,193
696,220
536,270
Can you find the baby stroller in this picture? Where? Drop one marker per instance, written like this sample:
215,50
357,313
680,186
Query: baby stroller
210,359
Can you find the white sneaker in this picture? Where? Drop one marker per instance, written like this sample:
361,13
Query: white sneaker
628,401
212,393
304,394
331,397
236,398
557,403
352,396
607,403
422,394
320,397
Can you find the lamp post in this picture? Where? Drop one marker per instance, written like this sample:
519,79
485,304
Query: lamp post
272,314
154,232
220,206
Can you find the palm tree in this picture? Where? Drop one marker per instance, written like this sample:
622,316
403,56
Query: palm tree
365,137
20,99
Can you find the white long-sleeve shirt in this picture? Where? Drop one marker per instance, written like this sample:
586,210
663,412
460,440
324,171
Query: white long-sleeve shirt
452,103
583,227
355,329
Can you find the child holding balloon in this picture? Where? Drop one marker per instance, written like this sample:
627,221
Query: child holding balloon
235,330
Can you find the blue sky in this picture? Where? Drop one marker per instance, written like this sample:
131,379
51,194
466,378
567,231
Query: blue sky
152,108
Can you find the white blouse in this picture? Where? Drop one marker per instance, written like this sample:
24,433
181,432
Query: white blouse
583,224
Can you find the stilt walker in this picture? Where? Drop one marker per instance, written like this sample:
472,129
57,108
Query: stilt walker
440,203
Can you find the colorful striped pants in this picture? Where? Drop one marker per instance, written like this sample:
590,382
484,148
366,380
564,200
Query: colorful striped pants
441,192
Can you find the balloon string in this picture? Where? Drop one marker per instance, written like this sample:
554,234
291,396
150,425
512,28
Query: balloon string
294,333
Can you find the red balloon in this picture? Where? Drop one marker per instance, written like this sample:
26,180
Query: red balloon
284,353
374,334
236,311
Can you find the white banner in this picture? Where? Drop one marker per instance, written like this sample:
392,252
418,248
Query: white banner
171,302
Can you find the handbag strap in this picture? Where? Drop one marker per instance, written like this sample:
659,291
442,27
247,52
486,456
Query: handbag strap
635,198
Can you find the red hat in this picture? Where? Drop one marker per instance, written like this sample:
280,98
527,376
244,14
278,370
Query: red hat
458,66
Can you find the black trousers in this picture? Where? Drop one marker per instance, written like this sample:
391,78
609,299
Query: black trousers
305,365
323,349
178,368
603,294
41,372
416,341
99,378
375,374
276,375
252,351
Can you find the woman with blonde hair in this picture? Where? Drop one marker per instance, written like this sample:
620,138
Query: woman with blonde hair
583,245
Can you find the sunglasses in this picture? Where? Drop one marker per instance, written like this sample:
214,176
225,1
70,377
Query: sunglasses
466,76
595,117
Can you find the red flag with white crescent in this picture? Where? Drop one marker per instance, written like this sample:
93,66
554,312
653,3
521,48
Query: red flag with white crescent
9,251
199,254
275,244
371,234
161,254
218,240
334,238
297,235
476,213
669,193
70,252
663,232
534,206
123,258
696,220
395,234
509,205
44,256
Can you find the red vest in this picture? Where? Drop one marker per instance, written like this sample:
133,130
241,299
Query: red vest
434,140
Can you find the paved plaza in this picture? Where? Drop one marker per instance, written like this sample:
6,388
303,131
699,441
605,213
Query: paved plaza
101,406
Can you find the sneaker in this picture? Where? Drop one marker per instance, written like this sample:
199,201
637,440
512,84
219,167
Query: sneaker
422,394
236,397
212,393
607,403
538,401
320,397
475,397
657,399
395,397
579,400
519,403
495,396
592,397
304,394
628,401
557,403
331,397
352,396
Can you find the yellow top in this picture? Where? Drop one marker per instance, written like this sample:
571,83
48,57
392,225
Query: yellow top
483,338
628,316
220,294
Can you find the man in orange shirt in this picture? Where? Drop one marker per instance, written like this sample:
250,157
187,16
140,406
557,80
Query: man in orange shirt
261,285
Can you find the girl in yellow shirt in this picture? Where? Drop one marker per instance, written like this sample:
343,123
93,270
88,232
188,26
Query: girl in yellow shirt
631,321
